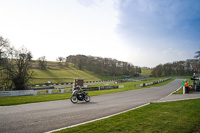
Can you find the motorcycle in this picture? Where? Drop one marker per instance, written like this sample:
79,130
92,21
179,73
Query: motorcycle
79,96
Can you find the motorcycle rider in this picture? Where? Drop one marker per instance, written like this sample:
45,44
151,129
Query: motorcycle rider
79,94
79,90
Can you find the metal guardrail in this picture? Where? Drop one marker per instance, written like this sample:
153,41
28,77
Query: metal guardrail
49,91
155,82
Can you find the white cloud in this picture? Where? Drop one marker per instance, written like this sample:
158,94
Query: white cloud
165,31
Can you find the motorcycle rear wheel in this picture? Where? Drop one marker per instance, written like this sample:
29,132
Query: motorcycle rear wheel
87,98
74,99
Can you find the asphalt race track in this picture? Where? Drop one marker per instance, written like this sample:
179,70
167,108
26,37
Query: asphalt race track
47,116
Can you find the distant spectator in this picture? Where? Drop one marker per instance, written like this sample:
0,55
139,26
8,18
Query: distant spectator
186,87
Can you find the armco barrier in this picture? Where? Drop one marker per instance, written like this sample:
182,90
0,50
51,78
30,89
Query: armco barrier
50,91
60,84
91,88
120,86
108,87
102,88
31,92
17,93
69,83
152,83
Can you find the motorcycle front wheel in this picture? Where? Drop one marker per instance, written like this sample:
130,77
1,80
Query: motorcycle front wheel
87,98
74,99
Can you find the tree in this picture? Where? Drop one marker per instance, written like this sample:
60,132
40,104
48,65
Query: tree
42,62
4,55
66,62
198,62
4,50
157,71
15,66
81,61
198,55
18,69
60,61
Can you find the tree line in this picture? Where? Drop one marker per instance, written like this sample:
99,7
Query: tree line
16,65
103,66
181,68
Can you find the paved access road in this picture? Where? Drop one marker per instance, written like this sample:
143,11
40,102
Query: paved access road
47,116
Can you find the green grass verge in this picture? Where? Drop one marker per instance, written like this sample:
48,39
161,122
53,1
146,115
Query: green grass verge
169,117
180,91
6,101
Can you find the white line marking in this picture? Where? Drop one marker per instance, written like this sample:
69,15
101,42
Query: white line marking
170,94
97,119
177,89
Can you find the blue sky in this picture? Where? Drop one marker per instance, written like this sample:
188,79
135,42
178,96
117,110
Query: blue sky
161,30
142,32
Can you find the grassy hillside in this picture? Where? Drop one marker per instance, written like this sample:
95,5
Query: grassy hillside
61,76
57,74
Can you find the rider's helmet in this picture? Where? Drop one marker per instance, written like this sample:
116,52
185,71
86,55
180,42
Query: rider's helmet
77,87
